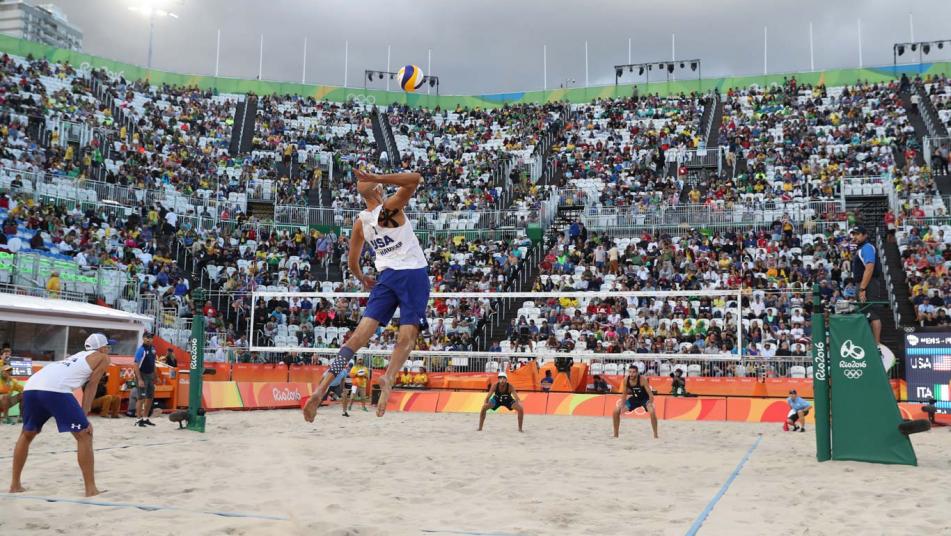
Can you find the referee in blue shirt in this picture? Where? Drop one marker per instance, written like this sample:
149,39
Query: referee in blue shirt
798,409
868,276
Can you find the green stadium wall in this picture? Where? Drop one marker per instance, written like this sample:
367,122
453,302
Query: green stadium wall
832,77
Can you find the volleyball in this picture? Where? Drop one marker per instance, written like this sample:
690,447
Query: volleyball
410,77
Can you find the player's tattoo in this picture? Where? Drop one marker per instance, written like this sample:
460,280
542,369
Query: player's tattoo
388,218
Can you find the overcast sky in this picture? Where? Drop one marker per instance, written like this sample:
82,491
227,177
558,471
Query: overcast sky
494,46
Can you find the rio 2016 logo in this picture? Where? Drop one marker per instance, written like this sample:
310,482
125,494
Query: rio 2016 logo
853,360
193,363
819,367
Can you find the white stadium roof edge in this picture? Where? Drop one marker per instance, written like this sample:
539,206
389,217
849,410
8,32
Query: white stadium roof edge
32,309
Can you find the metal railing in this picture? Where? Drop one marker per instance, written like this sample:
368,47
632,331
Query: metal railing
928,112
934,142
291,215
691,215
889,285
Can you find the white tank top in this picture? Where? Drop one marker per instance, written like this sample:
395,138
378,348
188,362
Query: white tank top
396,248
62,376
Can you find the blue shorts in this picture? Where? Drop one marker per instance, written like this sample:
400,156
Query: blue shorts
406,289
39,406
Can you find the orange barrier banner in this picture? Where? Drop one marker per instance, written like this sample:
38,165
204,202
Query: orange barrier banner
253,372
305,373
575,404
413,401
273,395
758,410
453,402
219,395
694,409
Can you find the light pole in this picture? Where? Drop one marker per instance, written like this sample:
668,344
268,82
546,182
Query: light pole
151,13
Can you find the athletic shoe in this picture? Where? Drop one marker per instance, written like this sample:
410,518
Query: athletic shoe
140,423
365,409
148,422
803,429
785,427
345,414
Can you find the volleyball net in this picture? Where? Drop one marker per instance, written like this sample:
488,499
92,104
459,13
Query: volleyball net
702,332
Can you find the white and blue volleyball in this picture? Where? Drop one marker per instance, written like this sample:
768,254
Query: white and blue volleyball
410,77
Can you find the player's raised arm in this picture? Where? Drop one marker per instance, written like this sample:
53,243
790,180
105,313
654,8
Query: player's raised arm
407,182
353,256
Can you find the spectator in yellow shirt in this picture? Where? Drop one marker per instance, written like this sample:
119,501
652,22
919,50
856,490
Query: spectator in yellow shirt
420,379
359,375
53,285
10,391
406,378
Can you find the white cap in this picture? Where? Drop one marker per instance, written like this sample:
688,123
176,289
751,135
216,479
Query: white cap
502,374
96,341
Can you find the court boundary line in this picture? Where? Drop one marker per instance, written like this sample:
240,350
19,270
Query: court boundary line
114,447
144,507
697,523
466,532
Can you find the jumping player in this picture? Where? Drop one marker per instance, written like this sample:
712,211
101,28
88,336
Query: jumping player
49,393
637,394
502,394
403,279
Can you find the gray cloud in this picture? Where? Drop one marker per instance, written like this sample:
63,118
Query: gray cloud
493,46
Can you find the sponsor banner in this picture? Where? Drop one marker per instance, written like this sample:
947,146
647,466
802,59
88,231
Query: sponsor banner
273,394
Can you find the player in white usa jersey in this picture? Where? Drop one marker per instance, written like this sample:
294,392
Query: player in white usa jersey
403,279
49,394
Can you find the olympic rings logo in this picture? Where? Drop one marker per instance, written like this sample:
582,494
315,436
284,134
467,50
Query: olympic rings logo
852,374
362,100
849,350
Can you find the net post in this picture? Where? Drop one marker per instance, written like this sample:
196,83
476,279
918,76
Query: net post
196,369
820,378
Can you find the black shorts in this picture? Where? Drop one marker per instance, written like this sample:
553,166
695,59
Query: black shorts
633,403
795,416
497,403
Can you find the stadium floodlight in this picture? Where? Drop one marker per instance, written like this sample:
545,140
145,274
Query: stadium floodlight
150,10
923,48
647,67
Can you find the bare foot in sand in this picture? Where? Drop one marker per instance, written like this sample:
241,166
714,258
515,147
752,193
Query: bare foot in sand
93,492
16,488
310,409
385,389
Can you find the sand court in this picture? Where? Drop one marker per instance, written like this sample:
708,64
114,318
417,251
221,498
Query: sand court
268,472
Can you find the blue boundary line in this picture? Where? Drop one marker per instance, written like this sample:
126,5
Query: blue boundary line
722,491
115,447
144,507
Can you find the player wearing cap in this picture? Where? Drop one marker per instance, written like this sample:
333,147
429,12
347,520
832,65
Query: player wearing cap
49,393
798,409
867,274
502,394
637,393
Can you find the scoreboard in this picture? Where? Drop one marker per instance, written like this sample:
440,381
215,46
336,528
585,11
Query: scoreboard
928,368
